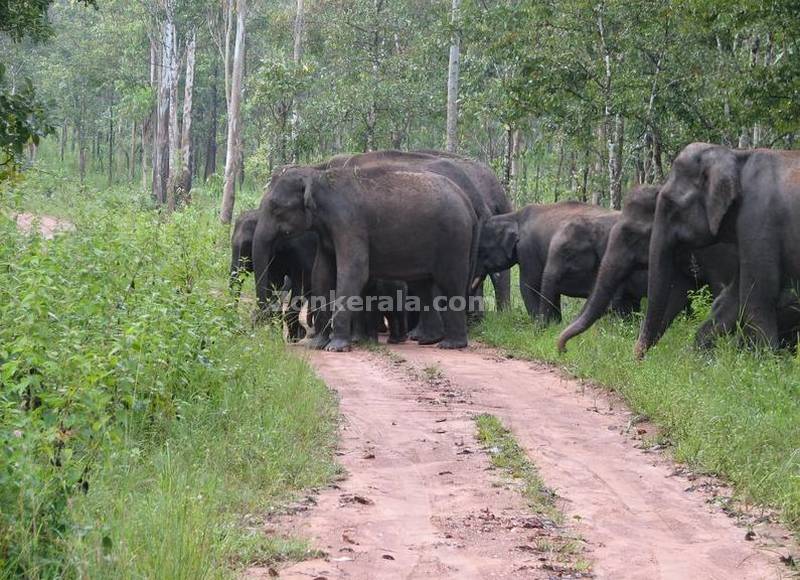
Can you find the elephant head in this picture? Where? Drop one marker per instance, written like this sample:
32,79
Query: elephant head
699,193
497,247
286,210
626,251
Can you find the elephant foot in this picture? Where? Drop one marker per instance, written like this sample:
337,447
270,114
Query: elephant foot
397,339
339,345
426,340
318,342
452,343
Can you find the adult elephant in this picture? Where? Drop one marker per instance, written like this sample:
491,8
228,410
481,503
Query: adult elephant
476,179
381,221
627,255
529,235
292,262
750,198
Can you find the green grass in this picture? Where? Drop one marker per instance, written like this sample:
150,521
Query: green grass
147,428
508,456
731,412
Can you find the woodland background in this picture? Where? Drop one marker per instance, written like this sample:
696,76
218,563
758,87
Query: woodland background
571,98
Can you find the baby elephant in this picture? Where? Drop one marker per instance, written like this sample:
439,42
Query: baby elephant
559,248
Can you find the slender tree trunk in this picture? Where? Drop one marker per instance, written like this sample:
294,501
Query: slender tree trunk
186,136
174,174
82,141
161,158
211,146
616,162
514,175
297,57
132,158
111,141
452,82
232,154
63,144
144,156
560,167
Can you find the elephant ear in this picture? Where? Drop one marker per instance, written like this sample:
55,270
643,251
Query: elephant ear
722,191
509,239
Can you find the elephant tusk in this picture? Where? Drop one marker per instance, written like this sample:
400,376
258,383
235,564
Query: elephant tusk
476,282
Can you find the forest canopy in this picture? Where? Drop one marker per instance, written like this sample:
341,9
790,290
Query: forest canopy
570,98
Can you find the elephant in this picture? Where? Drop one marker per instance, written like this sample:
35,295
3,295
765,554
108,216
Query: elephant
377,221
627,255
290,270
749,198
572,263
476,179
536,234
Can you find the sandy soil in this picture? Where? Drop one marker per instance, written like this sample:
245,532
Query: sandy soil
48,226
420,499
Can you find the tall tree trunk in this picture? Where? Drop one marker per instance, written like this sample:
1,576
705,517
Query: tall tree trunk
173,176
111,140
297,57
144,156
232,154
211,146
186,135
514,174
82,141
560,167
132,158
63,143
452,82
615,164
162,150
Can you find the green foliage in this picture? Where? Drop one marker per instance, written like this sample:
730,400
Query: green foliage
730,412
22,120
138,414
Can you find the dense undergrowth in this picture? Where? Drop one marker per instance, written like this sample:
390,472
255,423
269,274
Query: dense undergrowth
140,414
730,412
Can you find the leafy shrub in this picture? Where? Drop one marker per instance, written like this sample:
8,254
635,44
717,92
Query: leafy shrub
111,336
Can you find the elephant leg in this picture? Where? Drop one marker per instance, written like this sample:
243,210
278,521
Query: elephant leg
723,320
759,289
398,325
530,286
502,289
475,314
351,277
676,302
323,280
454,318
429,329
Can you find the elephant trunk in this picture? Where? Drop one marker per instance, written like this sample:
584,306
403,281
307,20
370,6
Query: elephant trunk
659,287
615,268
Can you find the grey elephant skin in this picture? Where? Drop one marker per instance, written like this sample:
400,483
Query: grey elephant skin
627,254
558,247
476,179
378,222
750,198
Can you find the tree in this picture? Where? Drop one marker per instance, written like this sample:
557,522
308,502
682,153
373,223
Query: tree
233,152
452,83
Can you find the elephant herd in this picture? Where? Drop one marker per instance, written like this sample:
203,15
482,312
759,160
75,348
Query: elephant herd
431,226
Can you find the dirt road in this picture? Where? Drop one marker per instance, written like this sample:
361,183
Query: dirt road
420,499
